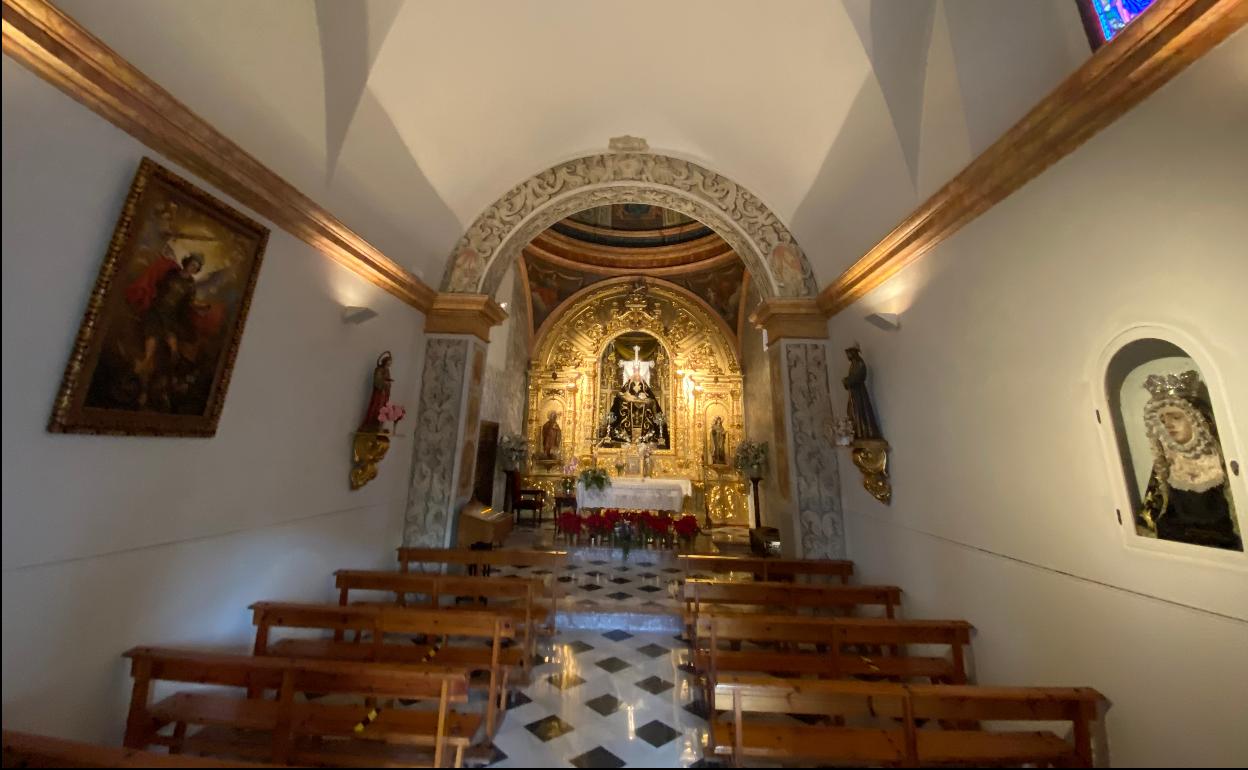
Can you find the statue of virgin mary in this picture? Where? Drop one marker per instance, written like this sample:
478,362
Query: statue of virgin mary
635,416
1188,498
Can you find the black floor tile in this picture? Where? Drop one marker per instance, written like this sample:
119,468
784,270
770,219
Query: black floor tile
549,727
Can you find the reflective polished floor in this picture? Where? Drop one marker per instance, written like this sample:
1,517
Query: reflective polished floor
613,699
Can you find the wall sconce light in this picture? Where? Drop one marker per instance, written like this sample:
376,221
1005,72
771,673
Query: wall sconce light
889,322
357,315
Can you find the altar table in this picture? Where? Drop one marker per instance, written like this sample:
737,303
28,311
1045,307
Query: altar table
642,494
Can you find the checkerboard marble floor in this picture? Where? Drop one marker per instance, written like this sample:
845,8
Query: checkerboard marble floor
601,585
613,699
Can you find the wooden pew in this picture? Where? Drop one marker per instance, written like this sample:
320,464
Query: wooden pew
481,562
524,593
283,730
834,648
30,750
378,621
908,725
768,569
499,557
782,598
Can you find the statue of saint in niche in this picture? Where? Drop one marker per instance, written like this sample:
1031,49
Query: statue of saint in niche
719,442
552,437
861,413
1188,499
635,416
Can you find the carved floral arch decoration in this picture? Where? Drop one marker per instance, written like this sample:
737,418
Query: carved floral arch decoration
494,241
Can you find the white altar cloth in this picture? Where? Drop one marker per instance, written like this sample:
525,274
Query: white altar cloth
645,494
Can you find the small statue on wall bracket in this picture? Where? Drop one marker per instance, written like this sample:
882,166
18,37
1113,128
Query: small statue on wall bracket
371,440
868,448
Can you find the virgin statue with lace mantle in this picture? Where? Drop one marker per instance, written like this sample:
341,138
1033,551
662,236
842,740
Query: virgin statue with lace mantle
635,416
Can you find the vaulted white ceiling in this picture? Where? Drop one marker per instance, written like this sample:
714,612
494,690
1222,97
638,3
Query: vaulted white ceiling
408,118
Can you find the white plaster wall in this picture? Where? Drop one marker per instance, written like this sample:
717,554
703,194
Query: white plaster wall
111,542
1003,504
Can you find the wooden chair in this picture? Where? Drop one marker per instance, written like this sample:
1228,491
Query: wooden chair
531,500
767,569
782,598
282,730
877,723
525,595
30,750
370,627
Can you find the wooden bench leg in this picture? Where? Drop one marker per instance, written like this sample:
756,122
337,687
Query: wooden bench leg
138,723
179,735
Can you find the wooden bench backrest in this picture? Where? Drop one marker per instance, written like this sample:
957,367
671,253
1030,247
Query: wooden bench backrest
1041,704
435,586
377,620
287,676
889,635
962,705
770,594
768,568
29,750
831,697
553,560
787,628
311,675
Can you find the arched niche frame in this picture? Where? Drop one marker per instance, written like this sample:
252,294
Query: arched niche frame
1118,393
494,240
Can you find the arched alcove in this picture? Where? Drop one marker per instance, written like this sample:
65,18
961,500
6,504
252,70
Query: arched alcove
1178,470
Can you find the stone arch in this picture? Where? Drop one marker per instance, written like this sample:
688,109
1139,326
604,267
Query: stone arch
493,242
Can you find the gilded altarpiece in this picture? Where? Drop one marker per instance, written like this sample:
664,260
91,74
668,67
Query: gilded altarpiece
696,377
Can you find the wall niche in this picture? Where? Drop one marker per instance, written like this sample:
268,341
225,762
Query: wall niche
1177,466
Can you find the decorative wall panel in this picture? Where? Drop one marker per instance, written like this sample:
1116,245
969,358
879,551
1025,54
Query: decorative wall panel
816,477
435,440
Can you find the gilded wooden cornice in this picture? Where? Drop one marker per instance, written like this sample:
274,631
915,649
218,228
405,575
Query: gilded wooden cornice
1154,48
631,257
59,50
472,314
538,252
790,318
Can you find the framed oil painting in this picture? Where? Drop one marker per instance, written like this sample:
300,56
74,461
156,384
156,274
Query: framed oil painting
158,340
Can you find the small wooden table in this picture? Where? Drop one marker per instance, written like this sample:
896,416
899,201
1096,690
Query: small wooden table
564,502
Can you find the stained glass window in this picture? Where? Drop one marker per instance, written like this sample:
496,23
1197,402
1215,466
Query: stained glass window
1104,19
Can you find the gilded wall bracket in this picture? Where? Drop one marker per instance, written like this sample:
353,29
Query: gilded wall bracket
367,450
871,457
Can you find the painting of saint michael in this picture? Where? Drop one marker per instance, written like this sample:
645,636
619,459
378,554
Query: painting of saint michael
162,328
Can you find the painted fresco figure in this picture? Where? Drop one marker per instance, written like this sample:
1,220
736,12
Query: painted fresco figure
1188,499
861,412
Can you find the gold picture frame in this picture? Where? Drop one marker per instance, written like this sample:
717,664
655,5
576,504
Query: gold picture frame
157,343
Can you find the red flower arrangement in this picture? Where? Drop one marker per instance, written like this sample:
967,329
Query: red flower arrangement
660,523
687,526
570,523
612,515
597,524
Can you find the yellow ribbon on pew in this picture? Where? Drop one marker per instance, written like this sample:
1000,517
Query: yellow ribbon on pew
374,712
